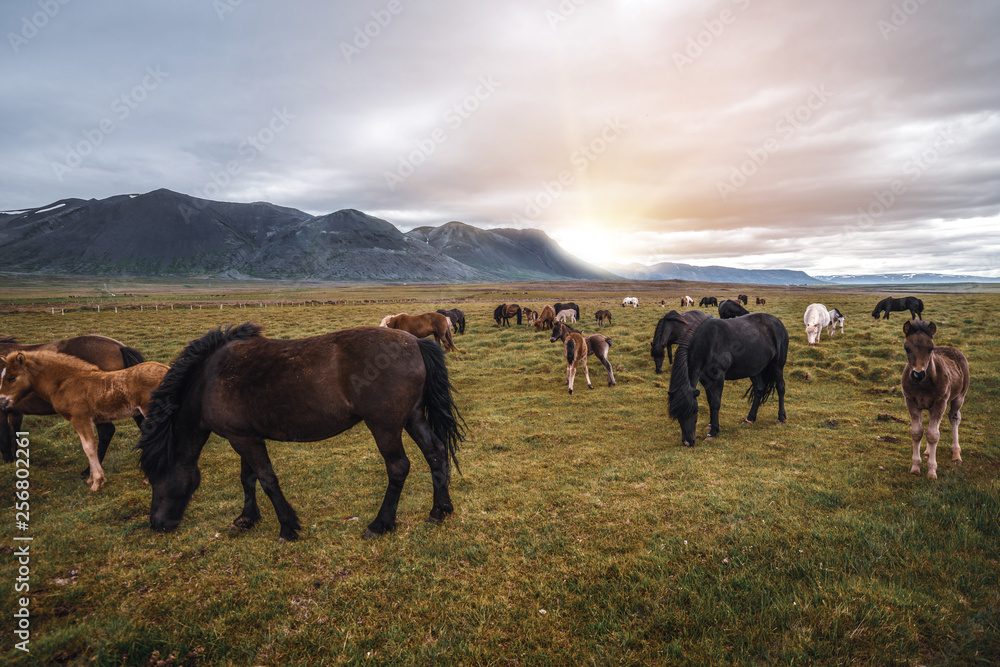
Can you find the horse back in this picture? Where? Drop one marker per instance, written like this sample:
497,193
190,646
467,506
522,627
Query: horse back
957,368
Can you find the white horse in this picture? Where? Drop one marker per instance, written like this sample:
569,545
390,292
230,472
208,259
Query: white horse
836,319
568,314
630,301
816,317
687,301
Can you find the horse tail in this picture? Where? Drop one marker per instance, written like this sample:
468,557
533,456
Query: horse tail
448,339
570,350
439,408
518,315
608,341
156,441
131,356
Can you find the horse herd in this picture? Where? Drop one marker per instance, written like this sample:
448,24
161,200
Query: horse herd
247,388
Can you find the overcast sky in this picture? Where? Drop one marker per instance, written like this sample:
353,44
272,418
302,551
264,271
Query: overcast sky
858,136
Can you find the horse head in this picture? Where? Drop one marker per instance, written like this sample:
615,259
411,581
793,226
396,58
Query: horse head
919,345
558,332
13,383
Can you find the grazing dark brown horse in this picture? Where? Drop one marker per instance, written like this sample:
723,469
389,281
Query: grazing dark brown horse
890,304
744,298
248,389
731,308
603,317
106,353
935,379
761,301
546,318
421,326
669,330
575,351
753,346
80,392
457,318
708,301
505,311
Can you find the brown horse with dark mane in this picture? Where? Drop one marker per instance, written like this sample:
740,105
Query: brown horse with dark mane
106,353
598,345
247,389
575,351
546,318
603,317
935,379
421,326
80,392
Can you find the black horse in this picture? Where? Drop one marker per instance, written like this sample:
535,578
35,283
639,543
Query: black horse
248,388
755,346
729,309
889,304
457,318
669,330
708,301
744,298
559,307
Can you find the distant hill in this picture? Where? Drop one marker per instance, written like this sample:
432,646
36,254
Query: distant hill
713,274
903,278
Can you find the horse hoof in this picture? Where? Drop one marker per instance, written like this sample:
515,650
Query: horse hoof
747,421
590,386
368,534
570,392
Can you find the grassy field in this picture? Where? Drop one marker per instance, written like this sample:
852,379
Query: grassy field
584,533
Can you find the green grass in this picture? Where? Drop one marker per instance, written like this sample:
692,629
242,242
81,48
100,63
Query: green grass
584,533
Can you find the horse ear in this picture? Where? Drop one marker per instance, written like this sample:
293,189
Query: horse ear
19,359
906,328
697,393
932,328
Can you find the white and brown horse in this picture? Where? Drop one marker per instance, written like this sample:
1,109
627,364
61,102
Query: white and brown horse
575,351
686,301
422,326
935,379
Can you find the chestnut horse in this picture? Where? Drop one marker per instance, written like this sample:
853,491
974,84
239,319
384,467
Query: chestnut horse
80,392
546,318
422,326
529,315
248,388
575,351
106,353
935,379
603,317
597,344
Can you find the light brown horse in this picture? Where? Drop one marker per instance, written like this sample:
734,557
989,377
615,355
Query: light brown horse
546,318
529,315
106,353
603,317
80,392
598,345
575,351
422,326
935,379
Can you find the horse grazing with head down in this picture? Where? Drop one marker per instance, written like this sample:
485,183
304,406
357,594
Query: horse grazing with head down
457,318
421,326
669,330
505,311
558,307
106,353
890,304
603,317
816,318
546,318
529,315
80,392
731,308
247,389
566,315
753,346
630,301
686,301
744,298
708,301
598,345
836,319
761,301
935,379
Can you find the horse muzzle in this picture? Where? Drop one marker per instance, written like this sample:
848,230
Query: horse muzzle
6,402
918,376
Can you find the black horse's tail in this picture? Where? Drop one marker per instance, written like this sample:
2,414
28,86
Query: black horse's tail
156,441
570,349
131,356
518,315
439,408
770,385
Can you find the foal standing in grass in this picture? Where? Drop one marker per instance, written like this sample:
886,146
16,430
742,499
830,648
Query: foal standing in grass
80,393
935,379
575,349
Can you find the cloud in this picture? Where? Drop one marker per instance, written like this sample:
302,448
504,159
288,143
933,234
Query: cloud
752,133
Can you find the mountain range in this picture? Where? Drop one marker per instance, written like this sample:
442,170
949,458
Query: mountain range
168,234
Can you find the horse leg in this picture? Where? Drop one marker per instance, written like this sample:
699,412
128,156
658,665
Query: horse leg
104,434
8,429
916,433
934,417
955,417
84,427
570,374
757,391
586,372
253,451
251,512
397,467
436,454
607,366
779,385
713,392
